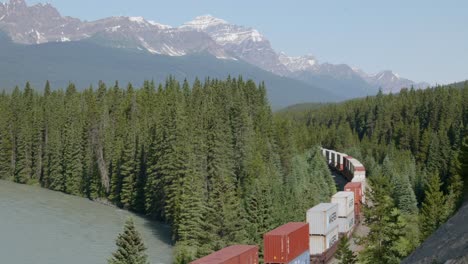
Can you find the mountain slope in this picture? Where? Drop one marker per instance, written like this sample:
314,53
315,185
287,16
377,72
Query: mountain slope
85,63
42,23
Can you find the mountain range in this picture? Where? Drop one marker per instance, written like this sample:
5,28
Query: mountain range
230,44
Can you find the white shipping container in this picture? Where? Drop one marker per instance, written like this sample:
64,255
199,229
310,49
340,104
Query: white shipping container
319,244
333,158
324,152
346,223
322,218
345,201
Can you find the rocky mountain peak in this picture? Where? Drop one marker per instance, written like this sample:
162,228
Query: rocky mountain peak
17,4
203,22
299,63
42,23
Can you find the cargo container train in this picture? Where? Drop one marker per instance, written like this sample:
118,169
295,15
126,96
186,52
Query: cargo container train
316,240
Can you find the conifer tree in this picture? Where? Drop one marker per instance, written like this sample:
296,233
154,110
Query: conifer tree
130,247
432,212
385,223
463,160
344,254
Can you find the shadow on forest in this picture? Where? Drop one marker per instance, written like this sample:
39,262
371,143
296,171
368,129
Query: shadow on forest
160,230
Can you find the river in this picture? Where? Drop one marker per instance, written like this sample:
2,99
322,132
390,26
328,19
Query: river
39,226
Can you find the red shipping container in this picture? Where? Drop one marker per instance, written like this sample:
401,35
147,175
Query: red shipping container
238,254
285,243
355,187
357,209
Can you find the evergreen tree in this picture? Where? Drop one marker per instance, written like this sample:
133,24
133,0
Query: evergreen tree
433,212
344,254
463,167
130,247
385,223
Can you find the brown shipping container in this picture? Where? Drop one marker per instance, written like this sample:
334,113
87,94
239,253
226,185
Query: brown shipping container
355,187
357,209
238,254
286,243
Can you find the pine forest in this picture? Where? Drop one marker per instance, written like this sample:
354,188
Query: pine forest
212,160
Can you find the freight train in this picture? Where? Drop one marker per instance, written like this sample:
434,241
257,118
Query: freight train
316,240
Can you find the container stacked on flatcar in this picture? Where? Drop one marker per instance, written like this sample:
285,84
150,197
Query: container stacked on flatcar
237,254
312,242
356,188
323,230
287,244
340,161
346,216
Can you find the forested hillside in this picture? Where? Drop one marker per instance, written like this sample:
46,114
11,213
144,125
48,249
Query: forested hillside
415,154
207,158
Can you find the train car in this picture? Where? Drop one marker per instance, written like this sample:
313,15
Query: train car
340,161
287,244
333,159
237,254
328,155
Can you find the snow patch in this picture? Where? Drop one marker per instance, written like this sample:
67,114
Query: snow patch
139,20
203,22
64,39
256,36
148,46
226,58
113,29
161,26
39,37
171,51
301,63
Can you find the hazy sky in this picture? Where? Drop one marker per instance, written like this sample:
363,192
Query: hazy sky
422,40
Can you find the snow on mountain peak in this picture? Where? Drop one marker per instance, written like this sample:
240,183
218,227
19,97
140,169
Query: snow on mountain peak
139,20
161,26
300,63
203,22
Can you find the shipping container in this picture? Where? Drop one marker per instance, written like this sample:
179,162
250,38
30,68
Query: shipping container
304,258
286,243
319,244
357,209
322,218
238,254
333,158
345,201
346,224
324,257
355,187
328,156
340,161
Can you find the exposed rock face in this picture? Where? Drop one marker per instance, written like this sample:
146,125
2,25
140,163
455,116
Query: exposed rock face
42,23
449,244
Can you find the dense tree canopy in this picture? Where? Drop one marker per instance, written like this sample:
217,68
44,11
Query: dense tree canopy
208,158
411,142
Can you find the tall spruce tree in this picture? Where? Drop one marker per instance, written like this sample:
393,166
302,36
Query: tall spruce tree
385,223
344,254
433,212
130,247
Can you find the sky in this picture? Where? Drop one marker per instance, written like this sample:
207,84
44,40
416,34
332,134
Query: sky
423,40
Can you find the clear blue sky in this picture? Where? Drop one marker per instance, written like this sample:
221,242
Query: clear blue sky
422,40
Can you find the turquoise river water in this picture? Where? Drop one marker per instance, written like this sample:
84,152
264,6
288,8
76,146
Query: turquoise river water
39,226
